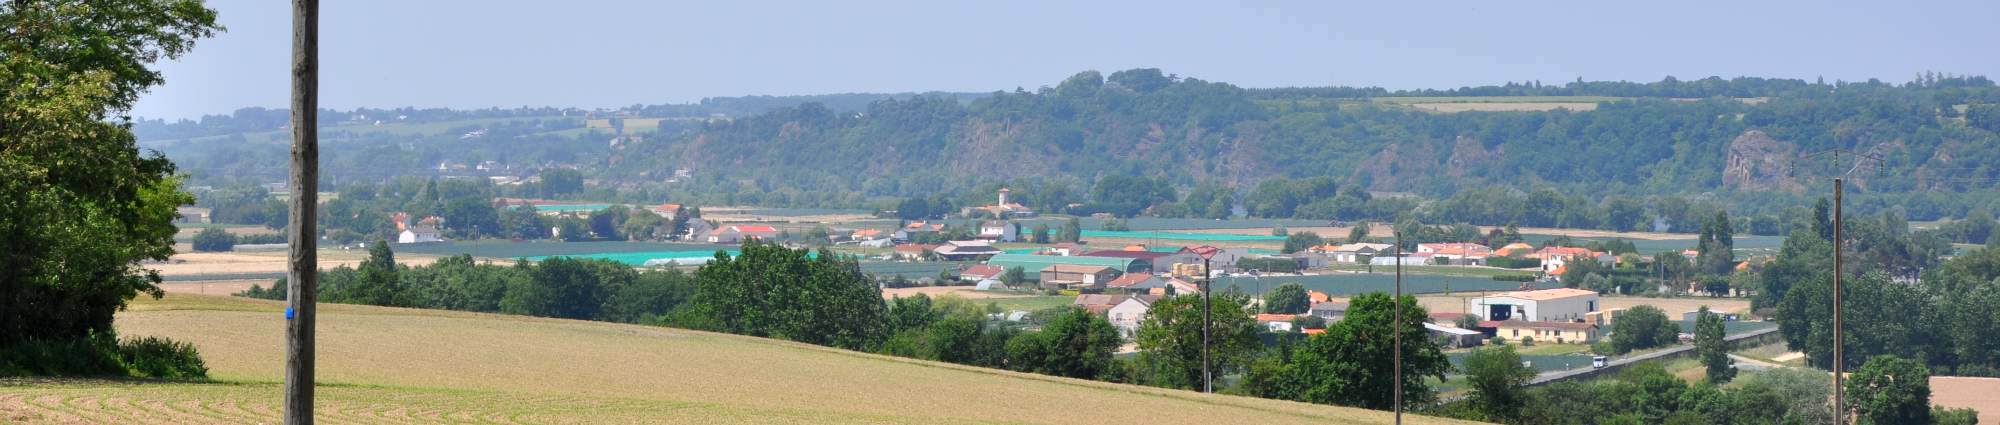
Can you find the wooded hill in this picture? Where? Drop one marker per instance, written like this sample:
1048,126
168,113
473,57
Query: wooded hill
1732,140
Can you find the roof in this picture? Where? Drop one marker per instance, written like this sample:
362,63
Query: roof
754,228
1097,299
1313,331
1564,250
973,243
1559,271
1142,255
982,271
867,232
1035,263
668,207
1547,294
1076,268
915,247
1129,280
1536,325
956,249
1446,317
1269,317
1317,296
1450,330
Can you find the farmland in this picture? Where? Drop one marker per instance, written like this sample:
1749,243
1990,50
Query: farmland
401,365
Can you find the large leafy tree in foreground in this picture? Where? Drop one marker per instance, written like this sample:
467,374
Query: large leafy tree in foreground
777,292
79,205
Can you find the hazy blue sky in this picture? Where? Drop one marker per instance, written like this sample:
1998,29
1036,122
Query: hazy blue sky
613,53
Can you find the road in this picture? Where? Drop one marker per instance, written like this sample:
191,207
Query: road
1559,375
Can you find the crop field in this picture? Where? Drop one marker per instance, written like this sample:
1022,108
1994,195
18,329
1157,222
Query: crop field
1495,99
1982,394
401,365
510,249
1179,236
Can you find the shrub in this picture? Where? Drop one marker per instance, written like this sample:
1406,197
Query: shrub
213,239
270,238
1527,341
156,357
1514,277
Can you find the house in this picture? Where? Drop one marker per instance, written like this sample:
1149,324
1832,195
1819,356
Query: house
914,251
1129,313
1412,259
1543,332
1354,252
425,231
877,243
1452,249
914,230
1000,209
1332,311
668,211
965,250
741,232
1308,260
1603,318
1177,286
1317,297
1545,305
1034,264
1455,337
999,231
865,234
1070,276
1558,256
1221,259
1150,261
698,229
1140,283
1063,249
195,215
1446,319
981,272
1276,322
1097,303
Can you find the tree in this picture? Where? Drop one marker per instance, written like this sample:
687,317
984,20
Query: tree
1287,298
1014,276
1716,246
1170,338
758,293
1074,343
1359,233
82,205
378,284
913,209
561,181
1302,240
1040,235
1890,390
1712,348
1349,365
1496,376
214,239
1072,231
1642,327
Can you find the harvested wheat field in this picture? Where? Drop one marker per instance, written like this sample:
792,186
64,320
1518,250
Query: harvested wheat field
231,263
401,365
1504,107
1981,394
965,292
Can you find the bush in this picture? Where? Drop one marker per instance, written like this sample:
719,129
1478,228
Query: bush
155,357
271,238
102,355
1527,341
1514,277
214,239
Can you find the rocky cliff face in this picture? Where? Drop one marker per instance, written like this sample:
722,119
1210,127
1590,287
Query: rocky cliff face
1759,162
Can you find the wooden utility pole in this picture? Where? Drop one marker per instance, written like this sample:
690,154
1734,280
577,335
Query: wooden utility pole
1396,330
1839,412
302,275
1207,380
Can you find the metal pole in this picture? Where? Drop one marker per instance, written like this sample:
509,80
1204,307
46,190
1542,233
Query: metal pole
1839,411
1207,380
302,274
1396,330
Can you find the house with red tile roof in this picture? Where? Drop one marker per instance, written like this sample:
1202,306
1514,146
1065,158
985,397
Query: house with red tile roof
1543,332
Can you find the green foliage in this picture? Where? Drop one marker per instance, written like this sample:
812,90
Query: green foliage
1891,390
772,291
1170,339
1349,365
1268,264
1287,298
1642,327
1711,347
1302,240
80,205
1941,415
1496,376
213,239
103,355
156,357
1072,343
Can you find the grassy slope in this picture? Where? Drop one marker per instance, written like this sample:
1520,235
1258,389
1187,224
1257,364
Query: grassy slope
395,365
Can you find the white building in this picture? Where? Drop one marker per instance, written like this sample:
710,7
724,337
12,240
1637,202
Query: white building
1127,314
1406,259
1000,231
1546,305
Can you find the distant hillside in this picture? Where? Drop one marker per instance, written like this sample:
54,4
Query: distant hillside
1737,139
403,365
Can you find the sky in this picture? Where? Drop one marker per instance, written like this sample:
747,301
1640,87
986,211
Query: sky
509,53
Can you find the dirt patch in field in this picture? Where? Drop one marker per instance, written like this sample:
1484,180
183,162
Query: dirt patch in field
965,292
1982,394
203,263
1504,107
213,287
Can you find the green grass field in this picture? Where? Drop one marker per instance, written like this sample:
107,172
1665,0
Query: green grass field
379,365
1033,303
